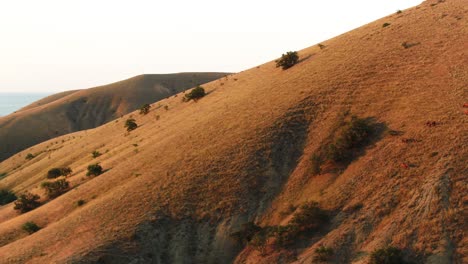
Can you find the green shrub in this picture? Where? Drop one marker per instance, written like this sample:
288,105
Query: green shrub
27,202
323,254
144,109
309,217
3,175
195,94
387,255
130,124
30,227
96,154
30,156
355,134
94,170
57,172
80,202
55,188
287,60
246,233
386,24
6,196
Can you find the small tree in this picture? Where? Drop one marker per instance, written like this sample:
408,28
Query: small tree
31,227
145,109
55,188
94,170
27,202
196,93
130,124
287,60
6,196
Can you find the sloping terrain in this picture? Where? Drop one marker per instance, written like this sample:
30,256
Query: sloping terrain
178,187
72,111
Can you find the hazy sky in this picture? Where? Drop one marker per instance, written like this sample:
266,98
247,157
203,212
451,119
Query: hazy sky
56,45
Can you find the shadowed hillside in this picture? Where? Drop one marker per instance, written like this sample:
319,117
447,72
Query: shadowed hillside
73,111
355,153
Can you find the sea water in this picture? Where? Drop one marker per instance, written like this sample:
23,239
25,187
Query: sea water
11,102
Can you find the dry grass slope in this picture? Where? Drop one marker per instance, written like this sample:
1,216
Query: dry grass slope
189,176
72,111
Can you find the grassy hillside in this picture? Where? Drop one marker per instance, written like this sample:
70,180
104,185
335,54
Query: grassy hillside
262,147
73,111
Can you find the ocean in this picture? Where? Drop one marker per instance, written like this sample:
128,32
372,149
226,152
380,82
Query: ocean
10,102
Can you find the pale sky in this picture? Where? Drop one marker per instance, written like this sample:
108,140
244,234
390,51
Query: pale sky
57,45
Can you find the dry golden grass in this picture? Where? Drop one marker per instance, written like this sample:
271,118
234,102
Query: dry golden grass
78,110
177,186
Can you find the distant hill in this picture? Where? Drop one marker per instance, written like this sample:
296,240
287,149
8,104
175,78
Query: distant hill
271,166
73,111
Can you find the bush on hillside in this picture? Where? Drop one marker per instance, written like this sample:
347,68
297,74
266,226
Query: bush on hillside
30,227
323,254
96,154
55,188
309,217
94,170
287,60
27,202
355,134
57,172
80,202
144,109
30,156
195,94
246,233
130,124
387,255
6,196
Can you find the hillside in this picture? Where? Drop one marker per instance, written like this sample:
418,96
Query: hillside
258,147
72,111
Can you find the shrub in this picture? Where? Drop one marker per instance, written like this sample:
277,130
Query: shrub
57,172
323,254
30,227
66,171
287,60
309,217
145,109
6,196
246,233
387,255
80,202
399,11
195,94
94,170
30,156
355,134
386,24
96,154
3,175
27,202
55,188
130,124
54,173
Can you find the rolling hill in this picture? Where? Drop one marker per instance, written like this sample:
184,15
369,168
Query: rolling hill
360,146
78,110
